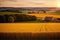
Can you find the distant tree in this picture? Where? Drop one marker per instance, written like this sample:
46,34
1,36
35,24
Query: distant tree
44,11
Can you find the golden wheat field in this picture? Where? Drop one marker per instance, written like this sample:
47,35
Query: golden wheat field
31,27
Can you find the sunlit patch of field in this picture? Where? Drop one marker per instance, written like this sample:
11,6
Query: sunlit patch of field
30,27
43,15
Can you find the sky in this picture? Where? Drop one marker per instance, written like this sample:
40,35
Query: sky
29,3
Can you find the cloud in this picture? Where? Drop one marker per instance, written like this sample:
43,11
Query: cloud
36,3
8,0
31,3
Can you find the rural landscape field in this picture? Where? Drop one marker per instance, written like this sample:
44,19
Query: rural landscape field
29,19
34,27
30,25
45,20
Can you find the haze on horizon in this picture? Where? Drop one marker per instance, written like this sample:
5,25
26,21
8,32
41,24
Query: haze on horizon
29,3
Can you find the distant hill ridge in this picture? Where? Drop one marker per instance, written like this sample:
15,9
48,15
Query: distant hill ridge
27,8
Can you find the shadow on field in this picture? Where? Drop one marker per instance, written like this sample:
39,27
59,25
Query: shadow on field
30,36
